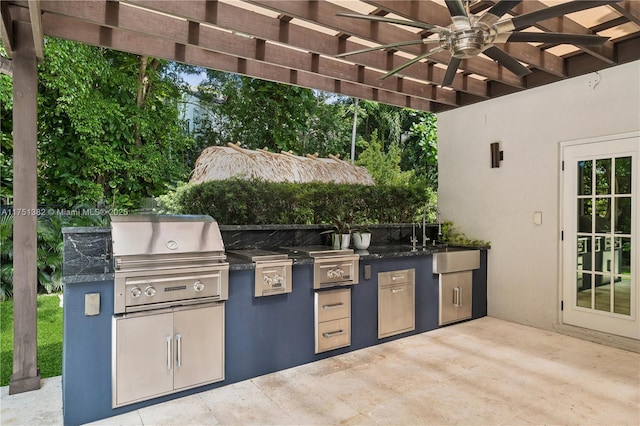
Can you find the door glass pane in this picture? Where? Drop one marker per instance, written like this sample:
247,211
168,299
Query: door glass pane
585,170
584,253
623,175
622,295
603,255
623,215
585,209
622,256
603,293
603,176
603,214
583,298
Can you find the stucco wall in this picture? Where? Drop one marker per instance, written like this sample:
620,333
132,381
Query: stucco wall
498,204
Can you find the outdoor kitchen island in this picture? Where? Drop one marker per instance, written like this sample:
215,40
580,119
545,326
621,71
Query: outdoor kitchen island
261,334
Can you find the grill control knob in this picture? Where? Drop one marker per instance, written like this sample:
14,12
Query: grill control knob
198,286
340,273
267,280
150,291
136,292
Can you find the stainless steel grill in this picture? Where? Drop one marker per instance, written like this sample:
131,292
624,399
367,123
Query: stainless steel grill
273,271
163,261
331,268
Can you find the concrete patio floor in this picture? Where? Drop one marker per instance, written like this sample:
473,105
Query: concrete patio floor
485,371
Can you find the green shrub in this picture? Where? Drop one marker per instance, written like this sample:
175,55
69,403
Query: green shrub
258,202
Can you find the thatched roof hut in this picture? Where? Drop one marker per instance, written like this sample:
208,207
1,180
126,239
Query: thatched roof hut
220,162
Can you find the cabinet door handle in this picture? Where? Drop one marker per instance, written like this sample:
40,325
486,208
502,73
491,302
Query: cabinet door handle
168,352
457,296
333,333
396,277
335,305
179,349
397,289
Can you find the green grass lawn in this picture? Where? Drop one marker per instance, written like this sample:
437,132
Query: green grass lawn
49,338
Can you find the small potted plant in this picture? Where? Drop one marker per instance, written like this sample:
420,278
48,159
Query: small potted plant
362,237
340,234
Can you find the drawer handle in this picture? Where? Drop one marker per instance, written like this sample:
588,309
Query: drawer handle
333,333
335,305
179,349
397,290
396,277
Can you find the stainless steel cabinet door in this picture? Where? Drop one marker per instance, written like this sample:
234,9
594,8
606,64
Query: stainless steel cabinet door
455,296
143,362
396,302
199,346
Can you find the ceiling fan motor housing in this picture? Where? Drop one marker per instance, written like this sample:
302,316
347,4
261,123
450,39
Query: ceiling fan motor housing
467,38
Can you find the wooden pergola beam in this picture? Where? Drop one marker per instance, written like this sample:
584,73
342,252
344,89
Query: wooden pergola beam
26,376
36,29
6,28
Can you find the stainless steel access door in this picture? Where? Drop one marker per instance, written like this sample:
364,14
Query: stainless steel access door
160,352
455,296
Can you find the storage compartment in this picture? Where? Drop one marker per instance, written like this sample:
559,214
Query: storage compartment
455,297
332,319
396,302
166,351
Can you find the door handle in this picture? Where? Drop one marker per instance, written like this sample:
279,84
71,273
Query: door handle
168,352
333,333
457,296
179,349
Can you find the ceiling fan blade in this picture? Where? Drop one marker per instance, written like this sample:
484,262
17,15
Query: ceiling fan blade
415,24
558,38
411,62
454,63
496,11
456,7
531,18
502,7
507,61
389,46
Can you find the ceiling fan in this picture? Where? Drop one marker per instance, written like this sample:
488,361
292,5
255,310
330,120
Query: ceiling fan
469,35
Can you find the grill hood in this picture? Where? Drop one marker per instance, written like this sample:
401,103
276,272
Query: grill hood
135,235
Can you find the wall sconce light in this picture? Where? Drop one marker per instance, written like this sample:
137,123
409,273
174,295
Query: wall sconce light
496,155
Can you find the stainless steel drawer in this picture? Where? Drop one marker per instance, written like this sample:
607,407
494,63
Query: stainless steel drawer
333,304
396,277
333,334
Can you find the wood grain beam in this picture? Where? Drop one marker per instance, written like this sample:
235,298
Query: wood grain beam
630,9
26,375
439,15
563,24
191,33
90,33
324,13
6,28
232,18
36,29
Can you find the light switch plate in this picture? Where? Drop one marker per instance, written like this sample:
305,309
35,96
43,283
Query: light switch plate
367,272
537,218
92,304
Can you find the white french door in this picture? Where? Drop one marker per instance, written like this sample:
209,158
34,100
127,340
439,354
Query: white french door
600,253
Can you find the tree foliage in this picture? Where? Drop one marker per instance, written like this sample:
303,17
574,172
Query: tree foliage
108,127
259,114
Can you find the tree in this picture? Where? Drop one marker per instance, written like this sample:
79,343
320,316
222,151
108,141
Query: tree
108,127
259,113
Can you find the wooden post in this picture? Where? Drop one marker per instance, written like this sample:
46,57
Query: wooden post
26,376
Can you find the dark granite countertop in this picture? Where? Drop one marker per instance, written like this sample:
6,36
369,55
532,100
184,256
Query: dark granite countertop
373,252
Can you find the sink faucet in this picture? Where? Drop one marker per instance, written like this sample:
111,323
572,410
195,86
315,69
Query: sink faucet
439,219
424,230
